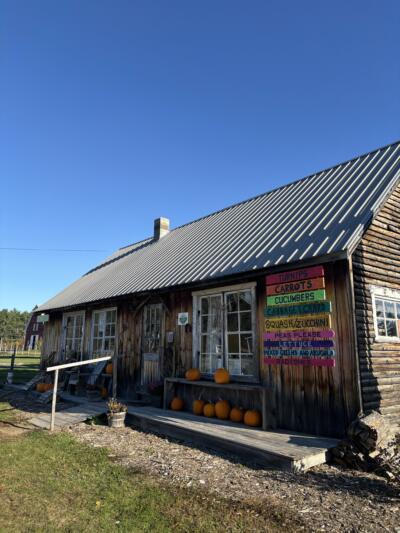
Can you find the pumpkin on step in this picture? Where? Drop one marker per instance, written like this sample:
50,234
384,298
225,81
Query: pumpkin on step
221,376
177,404
209,410
104,392
252,418
41,387
237,414
222,409
198,406
193,374
109,368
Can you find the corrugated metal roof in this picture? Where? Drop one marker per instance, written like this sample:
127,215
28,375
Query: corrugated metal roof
321,214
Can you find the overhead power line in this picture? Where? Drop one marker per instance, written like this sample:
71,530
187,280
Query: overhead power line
48,249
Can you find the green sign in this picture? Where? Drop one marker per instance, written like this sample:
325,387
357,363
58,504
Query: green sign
301,309
297,297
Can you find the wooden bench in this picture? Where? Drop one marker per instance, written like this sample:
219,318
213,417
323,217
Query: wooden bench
171,383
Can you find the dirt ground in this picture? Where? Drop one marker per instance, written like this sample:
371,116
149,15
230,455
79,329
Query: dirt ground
322,499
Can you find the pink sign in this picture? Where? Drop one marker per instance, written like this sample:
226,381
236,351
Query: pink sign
297,361
295,275
298,335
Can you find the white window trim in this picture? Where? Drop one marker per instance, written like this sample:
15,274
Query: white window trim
64,324
196,326
92,326
388,294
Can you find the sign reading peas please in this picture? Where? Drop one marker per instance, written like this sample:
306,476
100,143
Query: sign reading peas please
298,319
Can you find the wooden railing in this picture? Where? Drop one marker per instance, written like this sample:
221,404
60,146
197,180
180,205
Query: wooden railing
57,368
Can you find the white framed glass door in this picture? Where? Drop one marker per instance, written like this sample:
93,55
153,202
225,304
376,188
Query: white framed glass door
73,325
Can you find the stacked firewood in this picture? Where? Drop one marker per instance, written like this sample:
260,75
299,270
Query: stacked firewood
371,446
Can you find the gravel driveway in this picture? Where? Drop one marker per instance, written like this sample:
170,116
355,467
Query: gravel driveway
322,499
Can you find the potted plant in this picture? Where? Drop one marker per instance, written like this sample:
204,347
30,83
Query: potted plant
116,413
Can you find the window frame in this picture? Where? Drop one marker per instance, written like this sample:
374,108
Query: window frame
388,295
64,330
104,310
224,291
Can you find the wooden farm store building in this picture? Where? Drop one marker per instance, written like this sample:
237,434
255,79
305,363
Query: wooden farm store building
296,293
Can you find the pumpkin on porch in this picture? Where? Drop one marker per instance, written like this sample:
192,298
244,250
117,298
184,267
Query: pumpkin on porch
237,414
209,410
41,387
222,409
221,376
193,374
177,404
198,406
109,368
252,418
104,392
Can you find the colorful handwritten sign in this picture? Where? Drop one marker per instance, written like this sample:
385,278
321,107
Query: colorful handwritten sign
299,334
299,361
298,319
325,343
299,353
307,322
295,275
301,309
296,286
296,297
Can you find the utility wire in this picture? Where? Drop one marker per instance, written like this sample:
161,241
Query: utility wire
48,249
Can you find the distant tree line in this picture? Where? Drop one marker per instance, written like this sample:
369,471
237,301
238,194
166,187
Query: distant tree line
12,323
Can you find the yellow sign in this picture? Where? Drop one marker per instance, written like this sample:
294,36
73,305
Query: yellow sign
299,322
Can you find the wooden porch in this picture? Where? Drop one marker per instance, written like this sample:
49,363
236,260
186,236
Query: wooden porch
284,449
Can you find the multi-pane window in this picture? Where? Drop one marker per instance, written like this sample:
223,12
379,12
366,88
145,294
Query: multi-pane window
73,335
103,337
211,333
239,331
152,328
387,316
226,332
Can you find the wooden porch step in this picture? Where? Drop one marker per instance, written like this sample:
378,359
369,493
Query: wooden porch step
73,415
287,450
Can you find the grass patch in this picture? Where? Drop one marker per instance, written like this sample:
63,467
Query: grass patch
54,483
7,413
26,366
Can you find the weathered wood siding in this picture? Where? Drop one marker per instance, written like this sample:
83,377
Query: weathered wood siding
376,261
51,336
319,400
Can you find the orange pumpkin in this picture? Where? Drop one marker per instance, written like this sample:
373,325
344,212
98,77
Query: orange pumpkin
49,386
221,376
222,409
104,392
109,368
209,410
198,406
237,414
252,418
193,374
177,404
41,387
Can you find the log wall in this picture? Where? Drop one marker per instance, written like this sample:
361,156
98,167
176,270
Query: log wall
376,261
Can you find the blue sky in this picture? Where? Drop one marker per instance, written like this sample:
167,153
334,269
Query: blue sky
114,113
